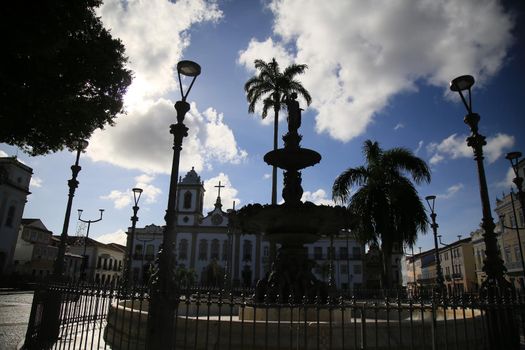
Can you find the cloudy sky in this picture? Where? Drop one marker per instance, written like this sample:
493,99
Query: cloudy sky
378,70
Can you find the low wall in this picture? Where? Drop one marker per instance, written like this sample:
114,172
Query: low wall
194,329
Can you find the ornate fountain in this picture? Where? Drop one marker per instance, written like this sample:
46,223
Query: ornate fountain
293,223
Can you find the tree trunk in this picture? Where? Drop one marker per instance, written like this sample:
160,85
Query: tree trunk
273,245
386,253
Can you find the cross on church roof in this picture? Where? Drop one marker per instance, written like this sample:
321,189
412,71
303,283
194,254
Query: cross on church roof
219,187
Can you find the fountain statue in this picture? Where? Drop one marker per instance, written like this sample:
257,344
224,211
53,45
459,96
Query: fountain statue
293,223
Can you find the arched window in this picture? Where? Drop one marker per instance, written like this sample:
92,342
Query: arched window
225,246
187,200
203,249
183,249
247,251
215,247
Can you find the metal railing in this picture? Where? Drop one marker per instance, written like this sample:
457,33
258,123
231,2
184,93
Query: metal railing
103,317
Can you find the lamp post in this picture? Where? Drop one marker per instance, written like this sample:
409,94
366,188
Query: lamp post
84,257
440,282
58,268
51,312
495,285
164,288
127,274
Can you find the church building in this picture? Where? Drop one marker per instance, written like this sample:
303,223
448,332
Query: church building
207,248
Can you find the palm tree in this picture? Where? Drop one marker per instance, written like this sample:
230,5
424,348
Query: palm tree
386,204
273,87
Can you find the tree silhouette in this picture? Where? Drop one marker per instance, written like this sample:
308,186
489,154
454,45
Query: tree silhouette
273,87
386,204
62,74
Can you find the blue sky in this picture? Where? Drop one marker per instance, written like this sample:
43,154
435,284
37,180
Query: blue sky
377,70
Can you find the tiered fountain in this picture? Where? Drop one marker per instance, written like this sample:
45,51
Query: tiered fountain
292,224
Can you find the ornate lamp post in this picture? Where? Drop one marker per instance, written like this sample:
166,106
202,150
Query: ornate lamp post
493,264
495,285
84,257
440,282
58,268
164,289
127,275
51,312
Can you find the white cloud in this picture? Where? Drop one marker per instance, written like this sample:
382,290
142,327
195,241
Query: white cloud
2,153
149,191
495,146
507,182
317,197
118,236
451,191
155,33
228,192
362,53
141,140
419,146
267,176
399,126
122,199
36,182
456,146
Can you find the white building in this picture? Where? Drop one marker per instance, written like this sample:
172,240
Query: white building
206,246
14,189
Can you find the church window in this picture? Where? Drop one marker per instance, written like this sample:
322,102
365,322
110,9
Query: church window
183,249
138,250
150,248
247,251
187,200
215,249
10,216
203,249
225,250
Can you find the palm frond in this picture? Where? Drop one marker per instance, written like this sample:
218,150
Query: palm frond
349,178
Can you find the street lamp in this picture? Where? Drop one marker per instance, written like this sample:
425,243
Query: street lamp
164,288
495,285
440,282
84,257
58,268
127,275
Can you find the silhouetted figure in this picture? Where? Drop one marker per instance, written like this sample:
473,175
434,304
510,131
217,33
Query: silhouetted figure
294,113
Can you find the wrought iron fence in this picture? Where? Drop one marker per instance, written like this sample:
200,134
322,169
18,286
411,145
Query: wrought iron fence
104,317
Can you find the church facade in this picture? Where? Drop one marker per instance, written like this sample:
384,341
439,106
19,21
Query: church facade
209,250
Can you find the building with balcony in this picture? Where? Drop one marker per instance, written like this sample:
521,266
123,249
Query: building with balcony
458,265
101,263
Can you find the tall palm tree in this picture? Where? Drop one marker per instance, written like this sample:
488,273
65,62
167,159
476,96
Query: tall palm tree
385,204
273,87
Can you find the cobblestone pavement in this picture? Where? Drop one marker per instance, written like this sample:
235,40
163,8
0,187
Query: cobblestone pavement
15,307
